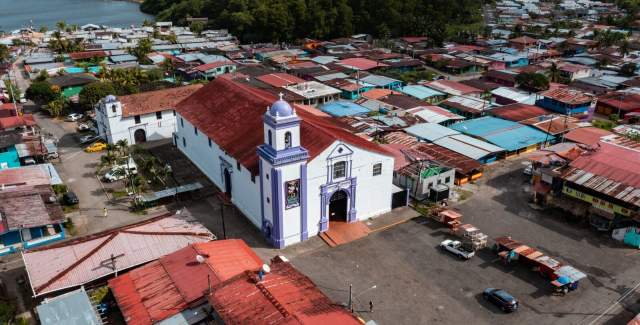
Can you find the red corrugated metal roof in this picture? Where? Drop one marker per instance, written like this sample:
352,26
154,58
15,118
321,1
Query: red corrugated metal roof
87,55
213,65
279,79
284,296
587,135
360,64
16,121
612,161
85,259
567,95
624,102
178,281
230,113
517,112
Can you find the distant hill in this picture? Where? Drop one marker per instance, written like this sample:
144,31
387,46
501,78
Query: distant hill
286,20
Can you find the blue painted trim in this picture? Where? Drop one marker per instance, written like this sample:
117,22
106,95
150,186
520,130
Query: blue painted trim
281,124
324,202
352,200
282,157
276,204
262,198
303,206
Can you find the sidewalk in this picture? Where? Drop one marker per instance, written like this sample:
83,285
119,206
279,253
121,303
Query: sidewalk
392,218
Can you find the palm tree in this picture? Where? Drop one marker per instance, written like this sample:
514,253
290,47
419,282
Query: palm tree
61,25
122,145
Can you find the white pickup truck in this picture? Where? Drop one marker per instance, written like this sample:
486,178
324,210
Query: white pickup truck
455,247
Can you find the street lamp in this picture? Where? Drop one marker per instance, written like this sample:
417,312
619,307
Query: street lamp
351,297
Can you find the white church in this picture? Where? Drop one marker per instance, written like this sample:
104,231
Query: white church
291,171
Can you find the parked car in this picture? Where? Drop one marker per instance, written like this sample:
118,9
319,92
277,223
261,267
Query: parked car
73,117
70,198
121,171
501,298
455,247
88,138
96,147
83,127
528,170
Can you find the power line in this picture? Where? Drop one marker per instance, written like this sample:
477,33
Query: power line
623,297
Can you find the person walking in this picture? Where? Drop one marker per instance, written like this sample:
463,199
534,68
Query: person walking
371,306
104,211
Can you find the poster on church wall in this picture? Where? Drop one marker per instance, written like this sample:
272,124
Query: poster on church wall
293,194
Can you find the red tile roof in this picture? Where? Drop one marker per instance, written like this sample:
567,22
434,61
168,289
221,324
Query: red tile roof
588,135
178,281
279,79
155,101
523,40
517,112
377,93
284,296
230,113
567,95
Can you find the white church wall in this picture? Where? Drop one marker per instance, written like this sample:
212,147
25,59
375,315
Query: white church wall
291,217
117,128
373,193
245,193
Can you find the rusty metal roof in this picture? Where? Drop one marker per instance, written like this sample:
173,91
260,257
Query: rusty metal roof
86,259
283,296
178,281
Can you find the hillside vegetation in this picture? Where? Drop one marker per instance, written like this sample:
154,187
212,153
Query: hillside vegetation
286,20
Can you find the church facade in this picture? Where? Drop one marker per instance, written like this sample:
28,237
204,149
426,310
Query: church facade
290,171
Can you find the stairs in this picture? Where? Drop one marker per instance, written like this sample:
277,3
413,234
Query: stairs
341,232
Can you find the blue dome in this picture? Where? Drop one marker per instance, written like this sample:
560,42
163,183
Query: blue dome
280,108
110,99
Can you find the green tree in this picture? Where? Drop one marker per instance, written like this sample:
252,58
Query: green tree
61,25
93,92
197,27
142,49
628,69
12,90
554,72
4,53
532,81
56,107
41,92
43,29
42,76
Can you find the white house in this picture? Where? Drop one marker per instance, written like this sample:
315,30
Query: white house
290,171
140,117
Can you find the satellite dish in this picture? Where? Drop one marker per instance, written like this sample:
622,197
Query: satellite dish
266,268
200,259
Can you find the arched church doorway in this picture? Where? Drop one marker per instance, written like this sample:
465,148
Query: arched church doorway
140,136
338,206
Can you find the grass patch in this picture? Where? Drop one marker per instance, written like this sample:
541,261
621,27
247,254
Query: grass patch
70,227
69,208
119,194
604,124
463,194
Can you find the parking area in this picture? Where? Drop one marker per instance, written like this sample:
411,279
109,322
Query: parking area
418,284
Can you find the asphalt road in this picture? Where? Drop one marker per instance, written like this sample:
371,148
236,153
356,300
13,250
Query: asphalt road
418,284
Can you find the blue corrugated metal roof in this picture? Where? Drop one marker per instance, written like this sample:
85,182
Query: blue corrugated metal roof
420,92
344,108
379,80
508,135
430,131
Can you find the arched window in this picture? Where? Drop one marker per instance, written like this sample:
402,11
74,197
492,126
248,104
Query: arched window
287,140
339,169
113,108
269,136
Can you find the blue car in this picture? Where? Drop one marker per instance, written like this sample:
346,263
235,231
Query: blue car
501,298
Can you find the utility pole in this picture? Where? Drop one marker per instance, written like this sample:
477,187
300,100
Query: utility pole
351,297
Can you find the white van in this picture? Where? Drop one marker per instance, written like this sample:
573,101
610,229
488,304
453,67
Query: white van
121,171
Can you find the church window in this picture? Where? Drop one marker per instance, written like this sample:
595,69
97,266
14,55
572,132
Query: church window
287,140
195,130
209,142
181,122
238,165
339,169
184,142
377,169
158,115
113,108
137,119
269,136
